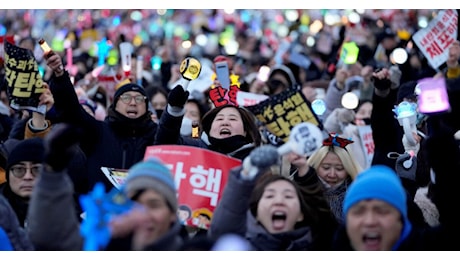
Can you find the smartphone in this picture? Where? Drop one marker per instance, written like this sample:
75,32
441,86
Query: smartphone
300,60
223,74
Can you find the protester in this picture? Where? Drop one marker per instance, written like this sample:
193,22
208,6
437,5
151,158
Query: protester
230,130
269,210
387,94
375,207
23,167
336,168
152,223
117,142
361,147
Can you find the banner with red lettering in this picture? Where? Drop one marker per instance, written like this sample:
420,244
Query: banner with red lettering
434,40
200,176
367,142
245,99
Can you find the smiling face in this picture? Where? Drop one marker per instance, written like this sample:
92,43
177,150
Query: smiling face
279,209
227,123
331,170
373,225
132,109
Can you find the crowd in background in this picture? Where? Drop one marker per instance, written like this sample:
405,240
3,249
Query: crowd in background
100,113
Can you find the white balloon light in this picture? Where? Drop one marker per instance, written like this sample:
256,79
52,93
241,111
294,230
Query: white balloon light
350,100
399,56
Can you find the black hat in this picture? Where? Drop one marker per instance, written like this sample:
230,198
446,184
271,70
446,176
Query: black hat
406,90
129,87
31,149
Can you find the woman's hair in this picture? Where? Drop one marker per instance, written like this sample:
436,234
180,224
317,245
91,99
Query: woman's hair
153,90
259,189
349,162
249,123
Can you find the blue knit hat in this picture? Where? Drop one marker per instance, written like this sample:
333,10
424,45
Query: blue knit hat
152,174
382,183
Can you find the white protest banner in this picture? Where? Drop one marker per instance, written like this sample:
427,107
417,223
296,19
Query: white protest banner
434,40
244,98
367,142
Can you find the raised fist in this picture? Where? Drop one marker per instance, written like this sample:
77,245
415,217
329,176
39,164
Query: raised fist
177,97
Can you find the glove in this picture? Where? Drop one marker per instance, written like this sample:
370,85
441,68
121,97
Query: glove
381,84
259,160
406,166
345,115
60,145
177,97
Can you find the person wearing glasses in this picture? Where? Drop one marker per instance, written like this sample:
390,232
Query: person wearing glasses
117,142
23,167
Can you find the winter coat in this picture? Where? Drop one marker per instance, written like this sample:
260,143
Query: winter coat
58,229
443,155
232,215
169,133
117,142
17,236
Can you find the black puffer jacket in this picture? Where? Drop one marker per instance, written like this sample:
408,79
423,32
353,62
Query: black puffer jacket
118,142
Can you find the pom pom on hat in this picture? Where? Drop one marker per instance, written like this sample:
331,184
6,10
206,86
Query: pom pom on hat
152,174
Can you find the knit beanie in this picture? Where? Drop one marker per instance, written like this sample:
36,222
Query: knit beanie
129,87
406,90
31,149
382,183
152,174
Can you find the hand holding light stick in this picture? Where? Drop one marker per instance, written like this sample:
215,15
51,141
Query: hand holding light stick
125,54
190,69
407,116
47,52
305,138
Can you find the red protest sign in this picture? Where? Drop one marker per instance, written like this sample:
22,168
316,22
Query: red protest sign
200,176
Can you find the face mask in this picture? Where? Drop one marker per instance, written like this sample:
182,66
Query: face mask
186,127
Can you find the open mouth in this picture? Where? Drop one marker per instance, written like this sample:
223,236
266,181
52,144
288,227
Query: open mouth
225,132
279,220
372,241
131,113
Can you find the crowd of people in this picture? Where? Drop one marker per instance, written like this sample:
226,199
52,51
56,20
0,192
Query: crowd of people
356,191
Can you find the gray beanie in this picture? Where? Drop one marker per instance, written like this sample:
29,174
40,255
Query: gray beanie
152,174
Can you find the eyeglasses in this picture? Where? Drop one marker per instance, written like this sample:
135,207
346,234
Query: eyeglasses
20,171
127,99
